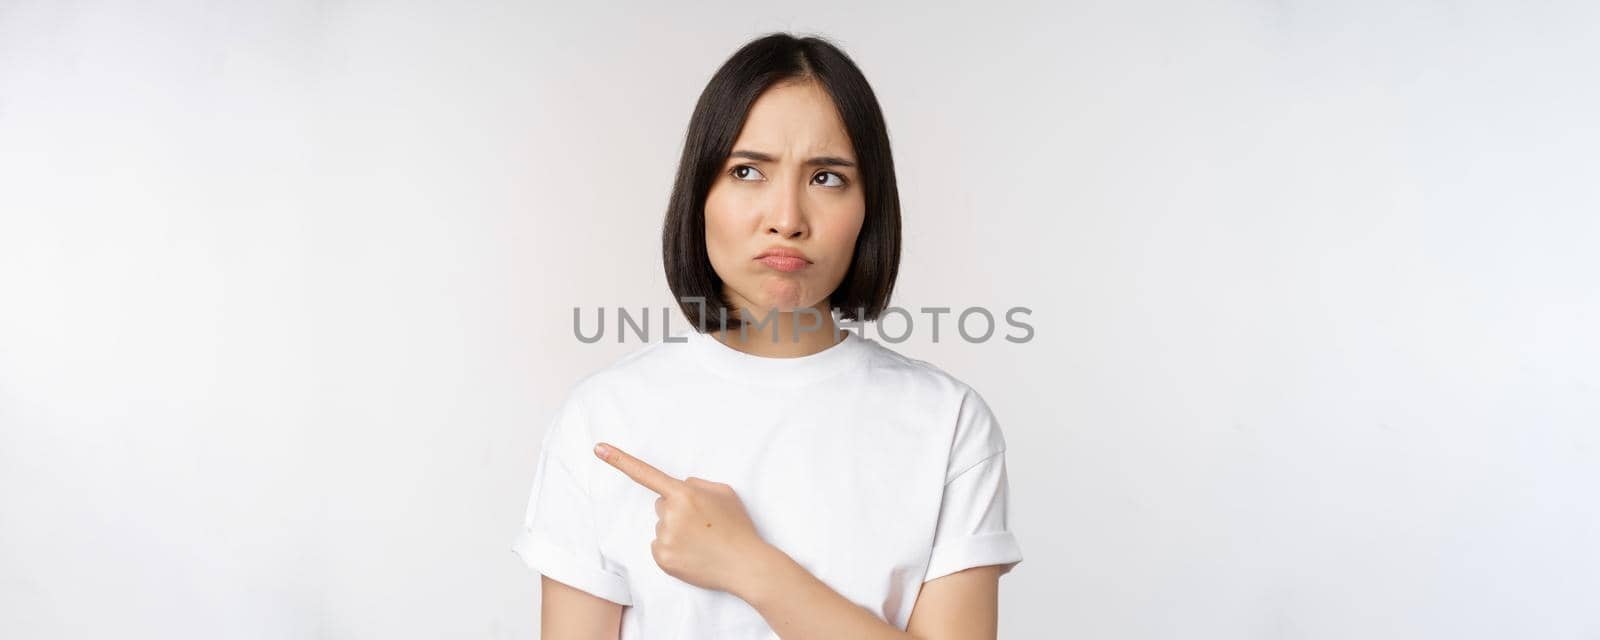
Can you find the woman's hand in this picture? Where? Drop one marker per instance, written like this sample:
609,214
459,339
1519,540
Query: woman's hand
704,536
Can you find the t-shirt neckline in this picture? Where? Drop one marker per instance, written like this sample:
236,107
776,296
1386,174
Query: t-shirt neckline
761,370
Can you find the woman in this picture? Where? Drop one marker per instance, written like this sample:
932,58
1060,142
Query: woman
766,474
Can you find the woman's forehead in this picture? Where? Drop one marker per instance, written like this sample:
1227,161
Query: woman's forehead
794,120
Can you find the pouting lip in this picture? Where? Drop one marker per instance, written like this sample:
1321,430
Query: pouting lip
783,252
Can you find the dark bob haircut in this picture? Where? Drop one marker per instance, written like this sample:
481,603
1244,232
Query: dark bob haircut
718,117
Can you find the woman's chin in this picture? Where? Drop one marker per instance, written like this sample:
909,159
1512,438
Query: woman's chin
782,294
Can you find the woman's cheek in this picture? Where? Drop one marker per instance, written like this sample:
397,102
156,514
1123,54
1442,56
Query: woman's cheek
718,238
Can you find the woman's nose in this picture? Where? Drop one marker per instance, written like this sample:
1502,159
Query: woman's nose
787,217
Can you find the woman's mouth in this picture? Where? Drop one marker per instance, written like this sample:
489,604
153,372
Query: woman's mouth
783,258
783,263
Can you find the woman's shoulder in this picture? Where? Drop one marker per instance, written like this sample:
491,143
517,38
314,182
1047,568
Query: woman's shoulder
885,362
976,432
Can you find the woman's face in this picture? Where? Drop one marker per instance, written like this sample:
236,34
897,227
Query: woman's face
791,182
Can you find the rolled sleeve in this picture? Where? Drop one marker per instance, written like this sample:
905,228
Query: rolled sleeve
559,537
972,530
566,567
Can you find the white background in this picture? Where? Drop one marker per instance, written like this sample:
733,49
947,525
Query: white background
286,292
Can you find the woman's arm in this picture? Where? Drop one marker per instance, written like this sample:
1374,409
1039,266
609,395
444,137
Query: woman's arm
570,614
964,604
961,606
704,536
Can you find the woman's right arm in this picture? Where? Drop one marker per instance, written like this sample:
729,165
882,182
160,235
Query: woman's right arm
571,614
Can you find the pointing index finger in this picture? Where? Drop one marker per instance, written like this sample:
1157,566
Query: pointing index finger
652,478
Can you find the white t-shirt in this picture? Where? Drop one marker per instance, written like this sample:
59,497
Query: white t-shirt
875,471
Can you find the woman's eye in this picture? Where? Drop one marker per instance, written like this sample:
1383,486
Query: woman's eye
747,173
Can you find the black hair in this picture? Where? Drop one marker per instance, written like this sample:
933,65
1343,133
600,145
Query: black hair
719,116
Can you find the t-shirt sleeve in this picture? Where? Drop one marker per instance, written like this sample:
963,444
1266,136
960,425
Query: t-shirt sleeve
559,537
972,529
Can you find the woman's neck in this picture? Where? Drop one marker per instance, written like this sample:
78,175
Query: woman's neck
783,334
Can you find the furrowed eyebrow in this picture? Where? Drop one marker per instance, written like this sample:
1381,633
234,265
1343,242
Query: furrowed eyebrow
822,161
